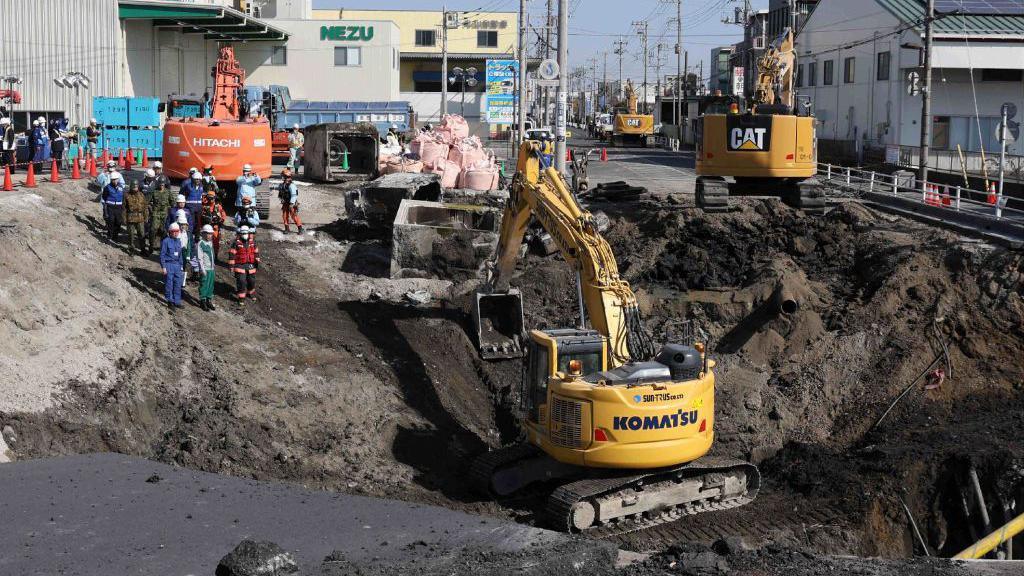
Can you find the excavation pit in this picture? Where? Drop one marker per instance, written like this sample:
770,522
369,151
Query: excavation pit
449,241
377,203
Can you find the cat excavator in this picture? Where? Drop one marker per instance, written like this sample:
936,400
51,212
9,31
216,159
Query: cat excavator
620,428
770,149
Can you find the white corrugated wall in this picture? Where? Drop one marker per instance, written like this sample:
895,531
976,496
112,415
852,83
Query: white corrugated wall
43,39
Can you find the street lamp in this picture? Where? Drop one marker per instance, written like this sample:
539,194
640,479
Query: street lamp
467,77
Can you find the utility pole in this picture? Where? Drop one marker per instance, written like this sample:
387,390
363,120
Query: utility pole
657,71
926,92
620,49
563,83
641,29
604,80
546,120
679,70
792,15
444,61
521,108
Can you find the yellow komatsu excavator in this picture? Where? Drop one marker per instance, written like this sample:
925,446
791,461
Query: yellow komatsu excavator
629,127
769,149
621,427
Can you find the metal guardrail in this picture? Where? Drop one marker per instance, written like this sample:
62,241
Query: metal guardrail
843,180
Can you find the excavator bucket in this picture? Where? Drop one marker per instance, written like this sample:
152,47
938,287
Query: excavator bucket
498,317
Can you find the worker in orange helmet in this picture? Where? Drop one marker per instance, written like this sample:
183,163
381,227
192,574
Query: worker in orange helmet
213,215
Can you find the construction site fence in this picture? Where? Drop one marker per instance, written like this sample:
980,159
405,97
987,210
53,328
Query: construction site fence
846,181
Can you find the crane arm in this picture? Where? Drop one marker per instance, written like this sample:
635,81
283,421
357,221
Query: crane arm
610,302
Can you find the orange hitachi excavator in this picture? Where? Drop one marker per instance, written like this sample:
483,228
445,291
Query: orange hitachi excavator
224,140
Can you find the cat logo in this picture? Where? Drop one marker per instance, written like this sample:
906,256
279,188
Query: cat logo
634,122
749,133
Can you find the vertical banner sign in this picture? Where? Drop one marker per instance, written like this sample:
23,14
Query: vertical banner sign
501,87
561,111
738,82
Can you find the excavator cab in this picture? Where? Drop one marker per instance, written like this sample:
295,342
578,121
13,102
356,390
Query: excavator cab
550,352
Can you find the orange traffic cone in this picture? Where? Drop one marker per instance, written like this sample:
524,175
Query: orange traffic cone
145,159
8,183
604,154
76,173
105,157
122,161
946,200
54,171
91,160
131,158
30,180
568,154
992,195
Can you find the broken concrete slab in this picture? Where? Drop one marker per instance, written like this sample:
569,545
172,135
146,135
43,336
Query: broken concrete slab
449,241
377,202
492,198
97,514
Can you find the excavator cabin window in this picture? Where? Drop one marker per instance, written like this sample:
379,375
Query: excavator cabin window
568,344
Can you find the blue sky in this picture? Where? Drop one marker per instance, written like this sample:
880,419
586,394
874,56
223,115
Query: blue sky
594,25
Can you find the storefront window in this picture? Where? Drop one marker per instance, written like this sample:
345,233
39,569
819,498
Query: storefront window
347,56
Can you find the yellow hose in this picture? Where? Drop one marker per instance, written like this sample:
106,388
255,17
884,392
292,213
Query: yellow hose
997,537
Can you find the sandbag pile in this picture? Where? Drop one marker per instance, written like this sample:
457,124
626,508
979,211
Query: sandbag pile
450,152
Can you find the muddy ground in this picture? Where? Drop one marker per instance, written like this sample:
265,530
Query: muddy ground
335,379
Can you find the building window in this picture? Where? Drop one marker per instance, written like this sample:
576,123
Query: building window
849,70
487,38
426,37
812,74
884,64
827,73
347,56
940,132
1001,75
278,56
800,76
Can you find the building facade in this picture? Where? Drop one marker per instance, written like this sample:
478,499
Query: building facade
780,15
856,59
746,53
720,76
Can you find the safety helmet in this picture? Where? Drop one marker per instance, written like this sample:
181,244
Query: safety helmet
207,229
115,176
173,227
158,164
41,120
197,176
111,164
5,120
246,200
243,230
211,193
295,126
92,121
182,218
394,126
150,173
247,168
180,199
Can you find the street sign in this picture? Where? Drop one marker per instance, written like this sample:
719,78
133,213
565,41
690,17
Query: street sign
500,81
548,69
547,83
738,81
913,83
1008,109
1010,134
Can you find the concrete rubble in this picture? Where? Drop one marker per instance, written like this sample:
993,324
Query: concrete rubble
444,239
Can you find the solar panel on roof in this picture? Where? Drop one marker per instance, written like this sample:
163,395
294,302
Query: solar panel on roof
1004,7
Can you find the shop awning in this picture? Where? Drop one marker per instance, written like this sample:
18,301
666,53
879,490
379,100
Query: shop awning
212,21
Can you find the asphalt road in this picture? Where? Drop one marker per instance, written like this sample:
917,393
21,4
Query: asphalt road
106,514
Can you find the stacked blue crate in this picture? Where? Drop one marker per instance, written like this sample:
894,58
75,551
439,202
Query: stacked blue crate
130,123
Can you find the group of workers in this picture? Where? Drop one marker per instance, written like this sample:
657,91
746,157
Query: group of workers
185,226
45,141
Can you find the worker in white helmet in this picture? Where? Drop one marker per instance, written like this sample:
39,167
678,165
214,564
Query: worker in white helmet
247,184
92,136
172,264
8,143
244,261
295,143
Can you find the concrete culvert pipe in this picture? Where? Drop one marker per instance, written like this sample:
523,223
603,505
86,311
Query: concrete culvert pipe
784,300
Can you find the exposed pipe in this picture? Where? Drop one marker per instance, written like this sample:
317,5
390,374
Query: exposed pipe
784,300
979,497
997,537
913,525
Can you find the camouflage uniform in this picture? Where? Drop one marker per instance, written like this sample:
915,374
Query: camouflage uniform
163,199
136,214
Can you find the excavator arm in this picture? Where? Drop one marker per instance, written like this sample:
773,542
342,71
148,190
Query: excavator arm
609,301
775,72
228,79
